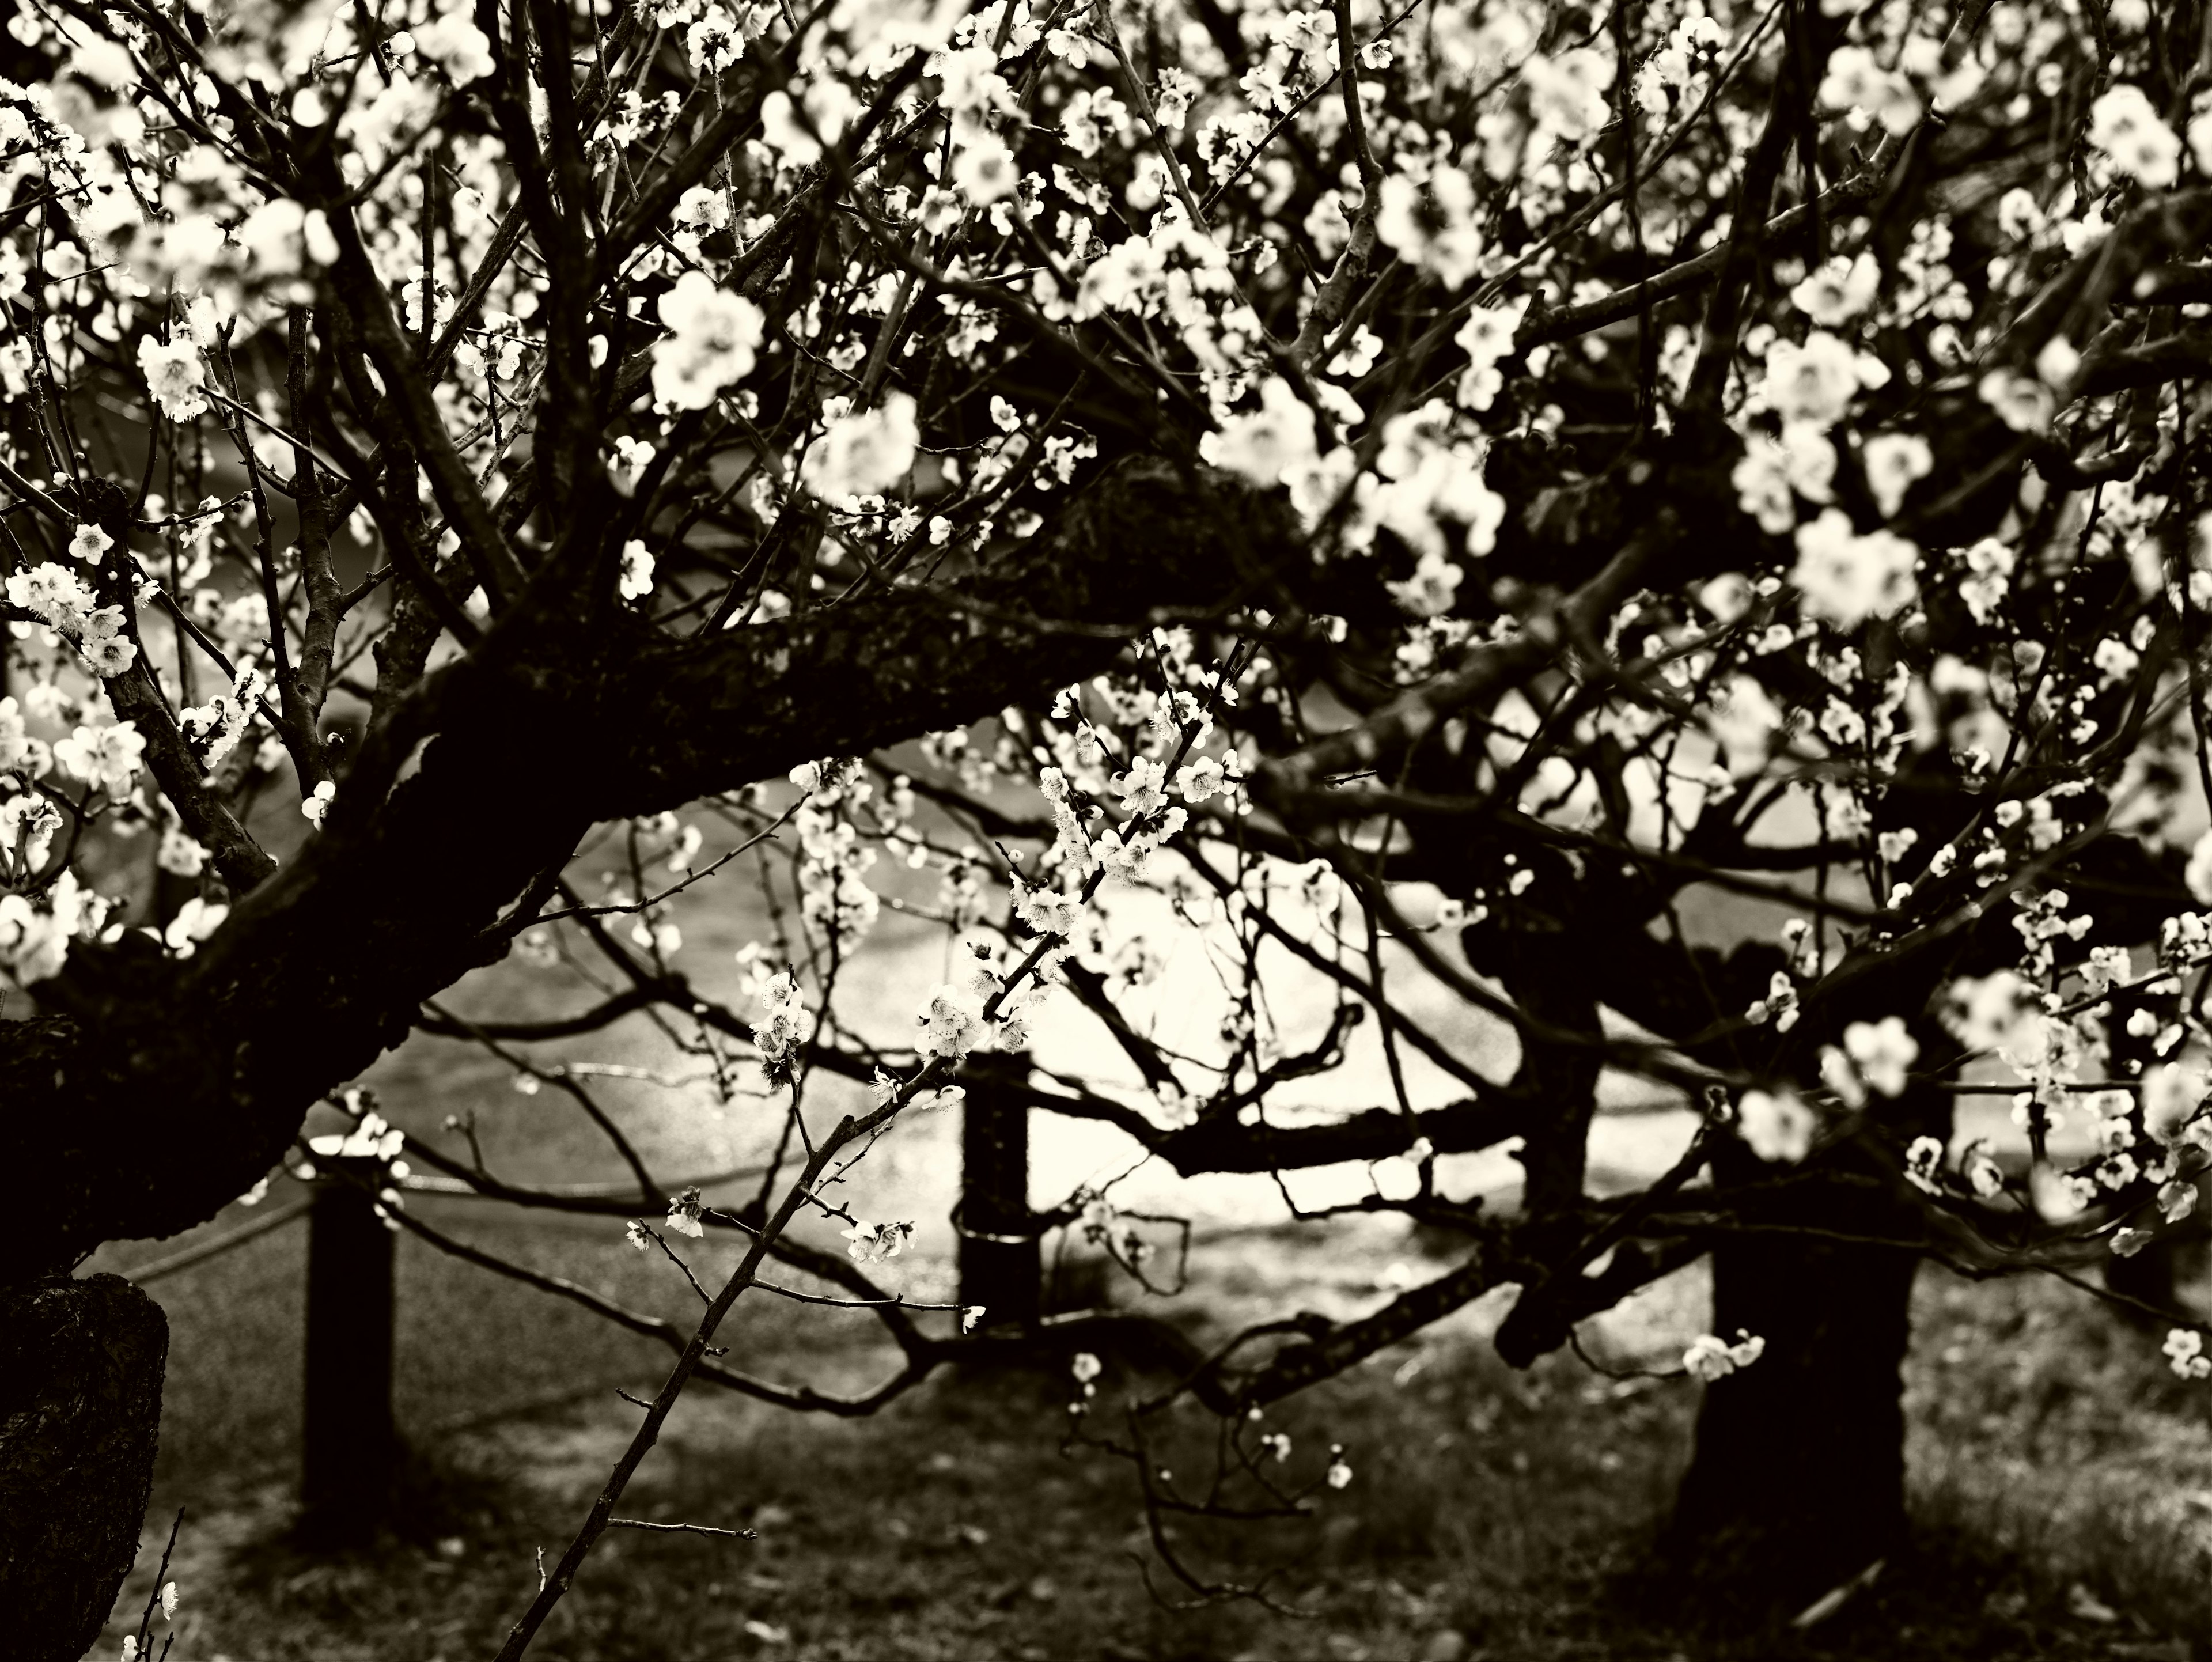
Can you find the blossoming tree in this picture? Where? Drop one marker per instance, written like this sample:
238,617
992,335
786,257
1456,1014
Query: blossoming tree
1429,494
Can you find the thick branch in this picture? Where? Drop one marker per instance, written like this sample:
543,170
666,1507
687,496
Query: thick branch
152,1092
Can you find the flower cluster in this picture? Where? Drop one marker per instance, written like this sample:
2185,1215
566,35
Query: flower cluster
1711,1357
783,1037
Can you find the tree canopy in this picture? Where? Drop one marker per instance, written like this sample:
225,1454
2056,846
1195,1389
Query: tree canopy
1402,495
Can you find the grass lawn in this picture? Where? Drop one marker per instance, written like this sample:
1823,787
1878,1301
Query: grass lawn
1492,1514
2063,1477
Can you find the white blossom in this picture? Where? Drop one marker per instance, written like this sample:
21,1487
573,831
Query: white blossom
104,756
1776,1124
1921,1162
797,131
951,1026
682,1218
1815,382
1431,224
173,376
1264,446
1883,1051
635,581
713,336
19,752
455,44
1711,1357
864,453
1567,93
1847,577
196,920
626,467
1837,291
1894,462
2126,126
2024,403
872,1243
2185,1353
1983,1173
984,169
1855,82
789,1025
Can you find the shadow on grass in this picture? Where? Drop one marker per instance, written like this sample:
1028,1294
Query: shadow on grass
1492,1515
2062,1483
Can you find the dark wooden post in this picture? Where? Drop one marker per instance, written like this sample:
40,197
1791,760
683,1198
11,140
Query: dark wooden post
349,1444
999,1260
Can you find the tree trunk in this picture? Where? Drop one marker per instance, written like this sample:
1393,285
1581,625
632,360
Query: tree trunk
81,1369
1798,1480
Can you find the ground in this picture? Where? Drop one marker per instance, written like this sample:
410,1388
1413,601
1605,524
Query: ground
1490,1513
2062,1477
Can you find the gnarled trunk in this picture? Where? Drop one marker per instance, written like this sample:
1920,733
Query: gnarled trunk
81,1367
1798,1481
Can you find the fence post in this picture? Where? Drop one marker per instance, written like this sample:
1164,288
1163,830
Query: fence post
348,1441
1000,1262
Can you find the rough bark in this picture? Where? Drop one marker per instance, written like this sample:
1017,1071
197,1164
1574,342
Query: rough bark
1799,1476
80,1365
1798,1482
